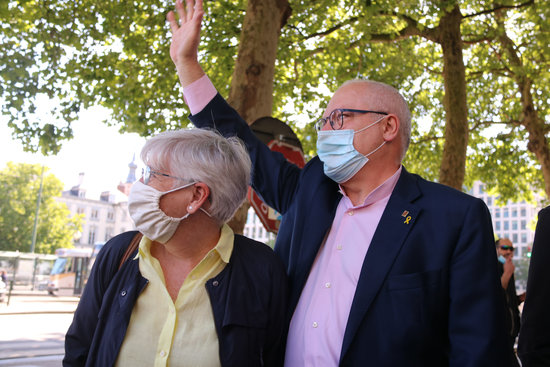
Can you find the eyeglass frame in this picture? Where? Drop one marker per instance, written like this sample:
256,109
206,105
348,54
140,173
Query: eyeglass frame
319,124
506,247
147,172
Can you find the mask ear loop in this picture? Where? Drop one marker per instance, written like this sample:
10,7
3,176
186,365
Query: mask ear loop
374,123
190,207
374,151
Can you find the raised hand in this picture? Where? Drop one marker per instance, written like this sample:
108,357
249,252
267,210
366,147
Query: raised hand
185,39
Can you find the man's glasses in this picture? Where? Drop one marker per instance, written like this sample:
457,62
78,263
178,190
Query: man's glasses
148,172
336,118
504,247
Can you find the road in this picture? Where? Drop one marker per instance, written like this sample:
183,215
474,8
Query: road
33,329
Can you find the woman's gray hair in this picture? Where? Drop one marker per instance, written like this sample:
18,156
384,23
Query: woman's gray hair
201,155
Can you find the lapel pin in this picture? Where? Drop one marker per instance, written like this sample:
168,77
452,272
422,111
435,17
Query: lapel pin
405,212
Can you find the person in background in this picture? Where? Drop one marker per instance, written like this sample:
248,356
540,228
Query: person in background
194,293
534,335
505,253
385,268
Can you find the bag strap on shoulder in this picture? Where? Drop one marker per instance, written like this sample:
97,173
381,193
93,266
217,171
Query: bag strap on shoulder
130,249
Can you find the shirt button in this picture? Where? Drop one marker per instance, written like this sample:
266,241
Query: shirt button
162,353
327,285
339,247
315,324
215,283
350,213
123,293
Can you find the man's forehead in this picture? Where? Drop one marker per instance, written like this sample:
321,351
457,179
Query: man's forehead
349,96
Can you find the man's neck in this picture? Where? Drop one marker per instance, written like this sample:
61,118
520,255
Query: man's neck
360,186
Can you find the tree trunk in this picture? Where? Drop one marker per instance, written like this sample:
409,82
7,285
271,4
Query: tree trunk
453,161
251,92
538,144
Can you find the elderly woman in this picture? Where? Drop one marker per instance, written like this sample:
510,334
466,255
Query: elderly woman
193,293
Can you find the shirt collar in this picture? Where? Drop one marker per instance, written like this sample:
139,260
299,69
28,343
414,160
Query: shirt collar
382,191
224,247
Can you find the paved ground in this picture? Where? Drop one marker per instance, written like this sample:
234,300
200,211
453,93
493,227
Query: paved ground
33,327
37,302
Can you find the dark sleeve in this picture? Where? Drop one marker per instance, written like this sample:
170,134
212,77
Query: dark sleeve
534,336
273,177
477,334
81,331
277,325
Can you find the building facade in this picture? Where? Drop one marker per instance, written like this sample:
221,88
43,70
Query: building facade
515,221
105,216
255,229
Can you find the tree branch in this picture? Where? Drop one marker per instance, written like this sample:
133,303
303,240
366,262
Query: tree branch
499,7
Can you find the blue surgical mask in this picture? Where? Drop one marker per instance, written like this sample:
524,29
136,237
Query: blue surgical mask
502,259
341,161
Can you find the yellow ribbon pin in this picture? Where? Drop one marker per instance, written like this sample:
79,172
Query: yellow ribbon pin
407,219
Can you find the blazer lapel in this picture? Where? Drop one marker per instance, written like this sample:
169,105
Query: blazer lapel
396,222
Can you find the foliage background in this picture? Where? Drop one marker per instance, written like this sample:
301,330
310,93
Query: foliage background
19,187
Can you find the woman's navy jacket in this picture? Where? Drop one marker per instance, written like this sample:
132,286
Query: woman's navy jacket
248,299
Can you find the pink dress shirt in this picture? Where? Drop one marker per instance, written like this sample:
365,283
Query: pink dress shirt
319,321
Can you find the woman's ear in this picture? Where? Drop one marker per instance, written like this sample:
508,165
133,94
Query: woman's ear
201,193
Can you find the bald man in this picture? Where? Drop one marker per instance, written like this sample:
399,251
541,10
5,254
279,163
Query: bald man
385,268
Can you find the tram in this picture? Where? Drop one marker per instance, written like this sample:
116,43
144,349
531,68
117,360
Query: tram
70,271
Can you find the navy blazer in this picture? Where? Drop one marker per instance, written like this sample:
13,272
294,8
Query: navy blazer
428,293
534,336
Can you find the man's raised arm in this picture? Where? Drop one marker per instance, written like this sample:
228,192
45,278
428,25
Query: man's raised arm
185,40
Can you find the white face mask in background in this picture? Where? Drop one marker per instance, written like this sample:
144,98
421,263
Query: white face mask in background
143,206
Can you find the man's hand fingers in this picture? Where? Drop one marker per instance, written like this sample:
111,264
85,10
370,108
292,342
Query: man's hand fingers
190,9
181,10
171,18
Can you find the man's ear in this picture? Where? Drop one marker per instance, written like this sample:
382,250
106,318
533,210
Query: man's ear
201,193
391,127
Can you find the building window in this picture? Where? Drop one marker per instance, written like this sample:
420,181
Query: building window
480,189
515,238
523,224
91,235
497,226
524,238
523,212
94,214
505,213
506,225
514,225
80,210
110,215
497,212
514,212
490,201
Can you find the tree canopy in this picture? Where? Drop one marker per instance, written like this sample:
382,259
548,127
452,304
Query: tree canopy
115,53
19,192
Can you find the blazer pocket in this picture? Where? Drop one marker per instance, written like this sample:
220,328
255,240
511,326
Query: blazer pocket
411,281
412,298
